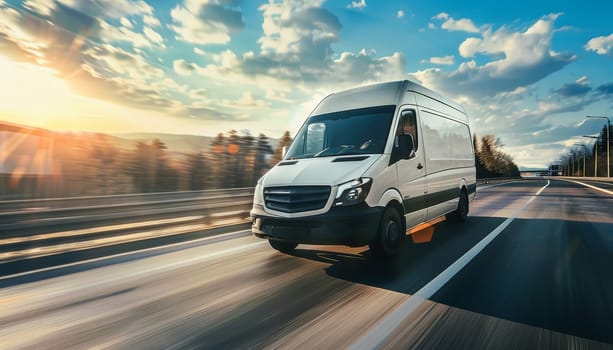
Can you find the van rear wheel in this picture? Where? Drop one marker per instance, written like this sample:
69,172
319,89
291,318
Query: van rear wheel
461,213
390,235
283,247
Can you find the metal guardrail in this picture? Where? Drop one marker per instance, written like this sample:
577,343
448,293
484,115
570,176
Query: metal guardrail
72,202
105,224
485,181
577,178
77,212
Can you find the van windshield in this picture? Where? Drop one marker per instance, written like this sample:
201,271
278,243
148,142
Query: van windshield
356,131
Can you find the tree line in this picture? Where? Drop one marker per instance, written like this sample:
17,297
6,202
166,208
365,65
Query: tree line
232,160
490,160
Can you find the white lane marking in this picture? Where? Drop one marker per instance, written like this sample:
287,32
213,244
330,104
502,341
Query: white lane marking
119,255
377,335
590,186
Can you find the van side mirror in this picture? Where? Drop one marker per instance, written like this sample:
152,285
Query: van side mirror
405,146
283,152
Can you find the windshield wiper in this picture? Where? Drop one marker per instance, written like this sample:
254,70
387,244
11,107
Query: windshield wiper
326,152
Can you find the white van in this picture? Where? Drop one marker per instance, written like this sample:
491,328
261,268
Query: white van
368,165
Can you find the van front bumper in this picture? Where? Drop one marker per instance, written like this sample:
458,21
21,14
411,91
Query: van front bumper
354,226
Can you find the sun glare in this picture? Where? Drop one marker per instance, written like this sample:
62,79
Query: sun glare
35,96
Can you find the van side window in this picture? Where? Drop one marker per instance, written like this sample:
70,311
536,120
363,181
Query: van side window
408,125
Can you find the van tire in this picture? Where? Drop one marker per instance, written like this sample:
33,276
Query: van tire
461,213
283,247
390,235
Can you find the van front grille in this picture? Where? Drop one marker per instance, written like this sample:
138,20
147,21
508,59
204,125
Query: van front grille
295,199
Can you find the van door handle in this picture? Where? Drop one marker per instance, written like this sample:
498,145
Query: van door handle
419,166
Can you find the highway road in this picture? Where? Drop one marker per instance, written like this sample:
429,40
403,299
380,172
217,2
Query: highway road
531,268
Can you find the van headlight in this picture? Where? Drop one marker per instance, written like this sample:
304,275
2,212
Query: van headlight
353,192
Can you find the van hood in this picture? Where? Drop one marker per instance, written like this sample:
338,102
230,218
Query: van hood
329,171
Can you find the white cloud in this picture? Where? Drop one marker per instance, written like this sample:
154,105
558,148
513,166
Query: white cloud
110,8
441,15
431,25
366,68
151,21
296,58
110,33
602,45
445,60
153,36
578,88
460,25
206,21
184,68
298,31
246,102
400,14
198,94
199,51
520,59
105,59
43,7
357,5
126,22
26,45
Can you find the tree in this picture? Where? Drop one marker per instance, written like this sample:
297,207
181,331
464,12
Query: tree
232,167
494,160
263,151
218,150
481,171
246,160
285,140
106,161
198,171
150,169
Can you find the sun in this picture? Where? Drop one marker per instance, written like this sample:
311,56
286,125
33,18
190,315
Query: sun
32,93
35,95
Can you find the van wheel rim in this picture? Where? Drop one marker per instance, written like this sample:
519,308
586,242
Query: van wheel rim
392,231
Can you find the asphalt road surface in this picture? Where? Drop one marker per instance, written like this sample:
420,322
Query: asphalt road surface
532,268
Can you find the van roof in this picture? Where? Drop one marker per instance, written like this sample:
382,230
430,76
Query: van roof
388,93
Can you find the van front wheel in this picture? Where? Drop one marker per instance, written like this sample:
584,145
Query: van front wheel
390,236
283,247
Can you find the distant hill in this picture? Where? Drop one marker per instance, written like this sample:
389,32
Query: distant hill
175,143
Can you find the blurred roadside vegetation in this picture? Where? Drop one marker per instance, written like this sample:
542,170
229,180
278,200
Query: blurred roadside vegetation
98,164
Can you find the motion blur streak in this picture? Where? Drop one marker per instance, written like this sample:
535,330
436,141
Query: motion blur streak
98,229
544,282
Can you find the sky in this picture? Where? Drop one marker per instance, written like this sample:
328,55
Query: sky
527,72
